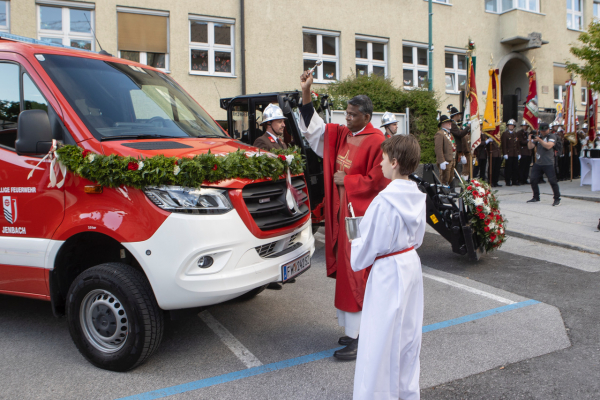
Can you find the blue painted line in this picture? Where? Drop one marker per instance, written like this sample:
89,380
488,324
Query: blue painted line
479,315
263,369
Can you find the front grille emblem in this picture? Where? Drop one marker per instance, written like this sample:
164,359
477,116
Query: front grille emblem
265,200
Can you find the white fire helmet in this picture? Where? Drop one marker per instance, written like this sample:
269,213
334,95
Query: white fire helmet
585,126
387,119
511,122
271,113
523,123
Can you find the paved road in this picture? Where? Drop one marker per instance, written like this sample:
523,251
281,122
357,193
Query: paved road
506,312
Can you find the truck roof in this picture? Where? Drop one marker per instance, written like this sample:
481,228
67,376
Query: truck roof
225,101
30,47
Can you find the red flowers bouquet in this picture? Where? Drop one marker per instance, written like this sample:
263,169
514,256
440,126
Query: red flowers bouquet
484,214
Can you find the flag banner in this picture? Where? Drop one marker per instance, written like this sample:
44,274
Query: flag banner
569,111
531,113
472,106
491,116
591,113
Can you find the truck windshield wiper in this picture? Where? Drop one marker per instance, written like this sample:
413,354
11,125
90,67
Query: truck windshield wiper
140,136
214,136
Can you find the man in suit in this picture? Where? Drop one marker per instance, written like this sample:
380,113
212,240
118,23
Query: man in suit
511,149
445,150
274,126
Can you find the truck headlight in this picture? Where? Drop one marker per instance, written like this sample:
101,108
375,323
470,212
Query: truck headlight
189,200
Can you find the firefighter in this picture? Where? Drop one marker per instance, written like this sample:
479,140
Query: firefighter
389,122
274,123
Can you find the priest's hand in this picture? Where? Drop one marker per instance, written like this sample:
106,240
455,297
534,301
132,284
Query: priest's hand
306,80
338,178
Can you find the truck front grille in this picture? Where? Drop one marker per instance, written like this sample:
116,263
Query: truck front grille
267,205
279,247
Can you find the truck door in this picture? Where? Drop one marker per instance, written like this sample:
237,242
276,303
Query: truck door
31,210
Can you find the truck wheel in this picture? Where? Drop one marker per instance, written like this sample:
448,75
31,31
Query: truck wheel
113,316
252,294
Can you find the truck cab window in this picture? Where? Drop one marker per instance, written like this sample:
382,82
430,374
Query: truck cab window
10,104
32,98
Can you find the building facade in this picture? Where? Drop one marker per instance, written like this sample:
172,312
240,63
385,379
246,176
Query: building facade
229,47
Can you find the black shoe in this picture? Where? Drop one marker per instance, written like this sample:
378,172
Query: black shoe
293,280
348,352
599,224
534,200
556,203
542,181
345,340
517,184
274,286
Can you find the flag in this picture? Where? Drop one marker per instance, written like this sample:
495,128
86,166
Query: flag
569,111
591,113
491,116
472,106
531,113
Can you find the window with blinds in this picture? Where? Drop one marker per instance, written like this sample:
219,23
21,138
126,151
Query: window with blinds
144,38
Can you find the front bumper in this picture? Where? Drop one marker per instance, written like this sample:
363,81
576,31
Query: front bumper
169,259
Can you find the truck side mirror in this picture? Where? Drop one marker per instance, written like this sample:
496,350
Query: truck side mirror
34,134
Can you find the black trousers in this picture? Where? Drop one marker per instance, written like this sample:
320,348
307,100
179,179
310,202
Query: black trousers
480,170
536,175
524,165
496,163
511,170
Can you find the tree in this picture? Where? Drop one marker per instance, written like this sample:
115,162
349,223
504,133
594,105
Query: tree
589,53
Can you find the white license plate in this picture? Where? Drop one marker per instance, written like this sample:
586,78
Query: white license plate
296,267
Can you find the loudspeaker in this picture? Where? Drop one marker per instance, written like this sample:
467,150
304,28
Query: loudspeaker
510,107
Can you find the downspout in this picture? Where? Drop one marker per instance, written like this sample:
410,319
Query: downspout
430,49
243,43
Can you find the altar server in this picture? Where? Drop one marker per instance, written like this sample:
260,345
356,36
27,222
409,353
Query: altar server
392,320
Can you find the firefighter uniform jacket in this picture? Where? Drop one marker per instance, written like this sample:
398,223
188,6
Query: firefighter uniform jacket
510,144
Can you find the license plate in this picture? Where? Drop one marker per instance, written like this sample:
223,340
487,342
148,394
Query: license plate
296,267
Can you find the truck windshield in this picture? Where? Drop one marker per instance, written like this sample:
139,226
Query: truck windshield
120,101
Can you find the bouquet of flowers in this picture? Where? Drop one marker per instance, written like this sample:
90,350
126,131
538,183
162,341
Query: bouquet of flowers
484,214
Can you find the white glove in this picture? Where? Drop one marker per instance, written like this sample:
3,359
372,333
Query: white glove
488,141
443,165
519,156
463,160
473,161
506,156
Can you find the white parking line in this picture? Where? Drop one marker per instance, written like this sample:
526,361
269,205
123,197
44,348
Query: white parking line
469,289
241,352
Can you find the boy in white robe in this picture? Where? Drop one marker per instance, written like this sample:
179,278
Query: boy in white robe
388,364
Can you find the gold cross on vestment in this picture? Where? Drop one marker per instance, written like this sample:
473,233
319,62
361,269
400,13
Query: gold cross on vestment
344,162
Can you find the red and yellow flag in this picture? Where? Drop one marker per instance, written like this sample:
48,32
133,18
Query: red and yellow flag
531,114
491,116
472,106
591,113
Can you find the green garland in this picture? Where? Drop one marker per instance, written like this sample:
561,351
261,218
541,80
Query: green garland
114,171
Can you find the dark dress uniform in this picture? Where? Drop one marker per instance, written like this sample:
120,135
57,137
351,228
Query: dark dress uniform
462,144
525,161
496,162
267,142
511,148
481,154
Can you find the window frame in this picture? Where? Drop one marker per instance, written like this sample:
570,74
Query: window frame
211,47
415,66
65,33
596,9
6,28
369,61
583,93
515,6
144,54
455,70
572,14
561,89
320,56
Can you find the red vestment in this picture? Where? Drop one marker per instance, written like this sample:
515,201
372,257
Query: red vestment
360,158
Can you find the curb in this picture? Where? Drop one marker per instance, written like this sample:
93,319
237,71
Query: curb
558,243
592,199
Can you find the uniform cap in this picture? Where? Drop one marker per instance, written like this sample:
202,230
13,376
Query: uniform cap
544,126
444,118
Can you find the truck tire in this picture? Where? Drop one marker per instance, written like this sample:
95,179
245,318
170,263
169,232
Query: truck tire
113,316
252,294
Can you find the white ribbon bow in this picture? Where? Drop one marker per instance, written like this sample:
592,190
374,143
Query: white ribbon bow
53,157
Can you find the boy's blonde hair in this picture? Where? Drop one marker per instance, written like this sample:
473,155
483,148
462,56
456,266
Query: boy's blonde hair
406,150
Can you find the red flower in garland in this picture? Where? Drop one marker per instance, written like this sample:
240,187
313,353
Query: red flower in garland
479,208
492,237
133,166
85,153
281,157
215,167
481,216
469,187
487,229
475,194
487,221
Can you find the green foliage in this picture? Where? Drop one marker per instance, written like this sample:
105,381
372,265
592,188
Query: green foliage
589,53
385,96
114,171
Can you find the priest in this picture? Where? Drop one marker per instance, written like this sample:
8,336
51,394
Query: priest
352,173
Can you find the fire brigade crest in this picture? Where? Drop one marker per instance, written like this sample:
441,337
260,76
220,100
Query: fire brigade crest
10,209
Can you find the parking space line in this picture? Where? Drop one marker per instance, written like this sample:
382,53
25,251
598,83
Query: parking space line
246,373
237,348
469,289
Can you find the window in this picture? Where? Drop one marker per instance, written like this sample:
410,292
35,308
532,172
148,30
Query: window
67,26
321,45
500,6
415,66
144,36
596,9
211,46
456,72
371,56
584,86
561,76
4,16
574,15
